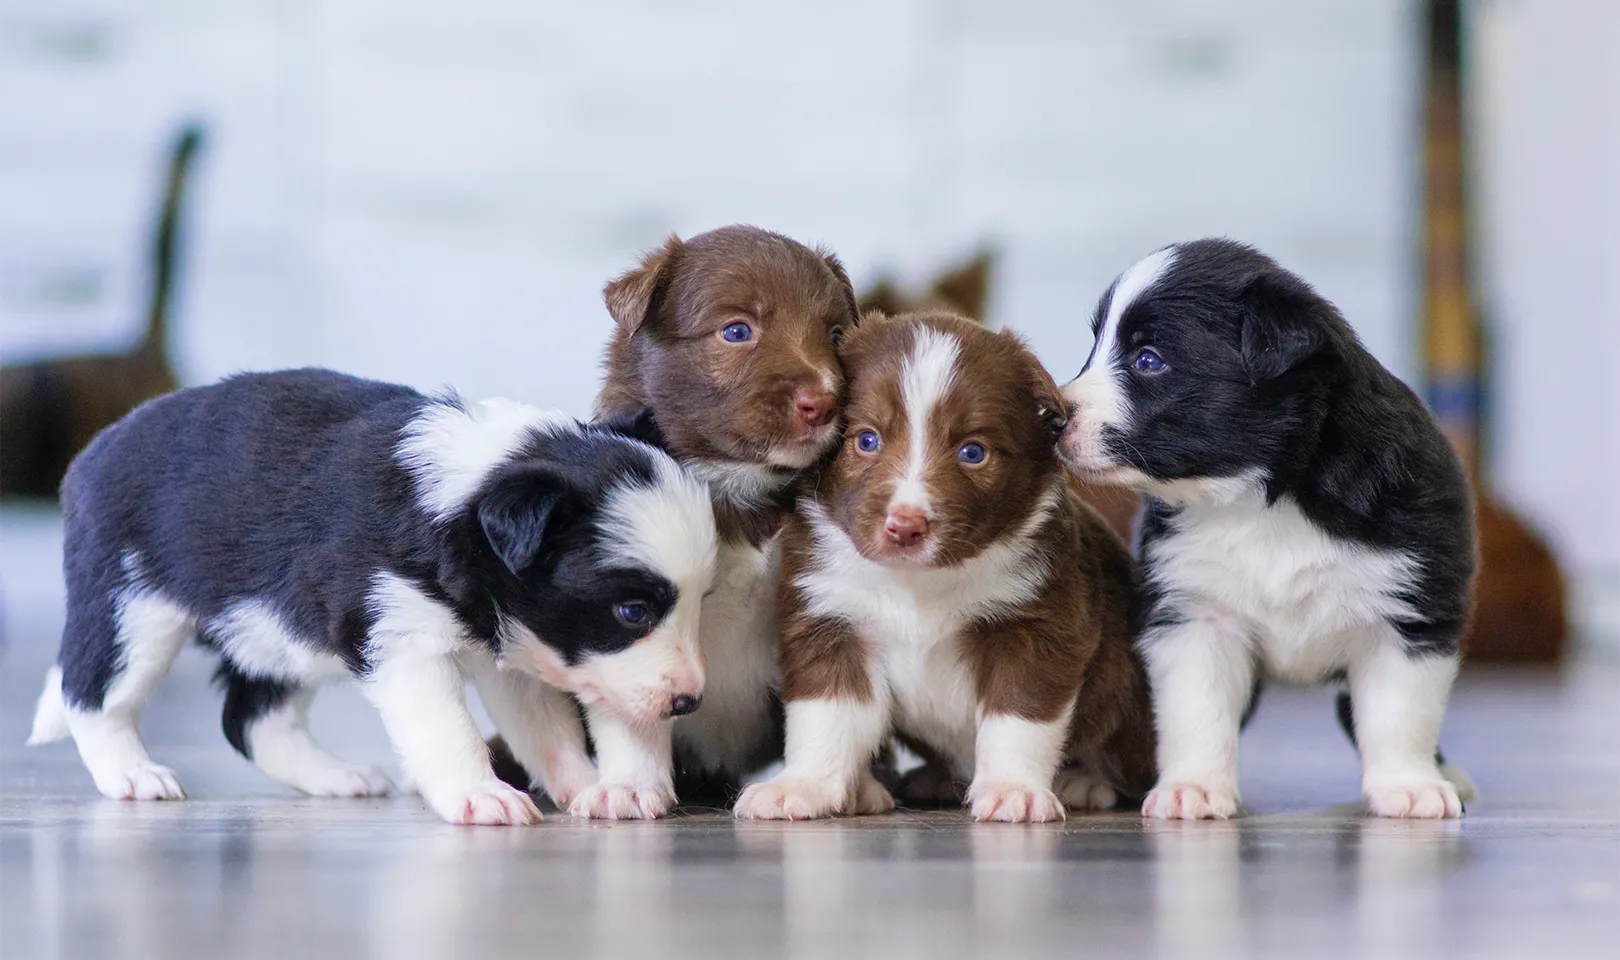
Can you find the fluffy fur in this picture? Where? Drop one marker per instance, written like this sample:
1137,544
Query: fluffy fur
941,581
307,526
1304,520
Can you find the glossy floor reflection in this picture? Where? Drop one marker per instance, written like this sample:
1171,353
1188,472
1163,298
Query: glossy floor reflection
245,869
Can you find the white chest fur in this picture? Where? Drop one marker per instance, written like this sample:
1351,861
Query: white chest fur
1305,600
738,630
912,619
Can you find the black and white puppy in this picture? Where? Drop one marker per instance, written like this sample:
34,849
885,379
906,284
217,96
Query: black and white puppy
1305,520
307,526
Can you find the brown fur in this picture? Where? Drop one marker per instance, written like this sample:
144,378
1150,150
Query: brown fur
1074,640
721,403
51,409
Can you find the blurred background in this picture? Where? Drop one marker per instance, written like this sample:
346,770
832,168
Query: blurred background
435,193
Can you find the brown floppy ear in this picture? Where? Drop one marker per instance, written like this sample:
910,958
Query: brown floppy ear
630,298
837,267
1050,407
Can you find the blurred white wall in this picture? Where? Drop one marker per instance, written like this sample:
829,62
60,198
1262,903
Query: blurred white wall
1547,113
435,192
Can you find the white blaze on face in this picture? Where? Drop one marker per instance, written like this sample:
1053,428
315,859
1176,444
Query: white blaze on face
666,527
926,377
1098,394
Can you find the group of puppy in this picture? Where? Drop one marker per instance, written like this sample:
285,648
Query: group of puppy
793,533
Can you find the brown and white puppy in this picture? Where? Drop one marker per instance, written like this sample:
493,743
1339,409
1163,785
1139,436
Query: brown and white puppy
940,580
729,340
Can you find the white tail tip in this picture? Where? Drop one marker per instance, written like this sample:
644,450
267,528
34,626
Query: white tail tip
50,717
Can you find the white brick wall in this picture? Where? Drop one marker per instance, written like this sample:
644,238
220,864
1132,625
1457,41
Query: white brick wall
435,192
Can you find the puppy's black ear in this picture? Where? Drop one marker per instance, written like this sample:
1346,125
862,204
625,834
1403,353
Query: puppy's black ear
837,267
516,513
1285,323
637,425
632,296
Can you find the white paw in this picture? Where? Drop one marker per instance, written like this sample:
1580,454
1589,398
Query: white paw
617,801
1420,799
346,780
565,782
787,799
1080,790
487,803
1191,801
144,780
1007,802
870,798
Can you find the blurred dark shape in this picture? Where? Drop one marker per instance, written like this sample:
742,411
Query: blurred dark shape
1519,605
50,409
963,289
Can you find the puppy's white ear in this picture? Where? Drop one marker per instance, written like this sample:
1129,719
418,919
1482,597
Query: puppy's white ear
515,513
631,297
1285,323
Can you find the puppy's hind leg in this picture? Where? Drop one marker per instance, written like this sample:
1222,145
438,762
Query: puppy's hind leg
114,655
267,722
1399,701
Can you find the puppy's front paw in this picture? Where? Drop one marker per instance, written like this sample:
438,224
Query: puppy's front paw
144,780
1006,802
788,799
871,797
487,803
1080,790
617,801
1191,801
346,780
566,782
1421,799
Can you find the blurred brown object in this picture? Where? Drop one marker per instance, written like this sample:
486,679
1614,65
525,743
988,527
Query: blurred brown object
50,409
963,289
1519,612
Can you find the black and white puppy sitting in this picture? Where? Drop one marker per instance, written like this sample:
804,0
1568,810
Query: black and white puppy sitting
1305,520
307,525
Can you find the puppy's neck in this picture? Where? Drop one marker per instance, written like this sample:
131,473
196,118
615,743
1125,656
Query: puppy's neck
750,499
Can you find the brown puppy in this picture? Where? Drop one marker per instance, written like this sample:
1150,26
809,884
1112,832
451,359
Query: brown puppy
941,580
729,340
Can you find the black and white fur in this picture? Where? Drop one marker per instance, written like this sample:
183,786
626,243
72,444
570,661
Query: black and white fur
1305,520
308,526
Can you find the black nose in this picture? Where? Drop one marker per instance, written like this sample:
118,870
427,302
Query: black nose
684,704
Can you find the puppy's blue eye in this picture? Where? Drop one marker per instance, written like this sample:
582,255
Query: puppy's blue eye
867,441
1147,360
737,333
971,453
632,614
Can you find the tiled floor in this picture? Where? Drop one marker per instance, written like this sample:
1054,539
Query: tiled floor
246,869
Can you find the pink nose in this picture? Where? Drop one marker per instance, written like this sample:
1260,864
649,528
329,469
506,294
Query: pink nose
906,526
814,406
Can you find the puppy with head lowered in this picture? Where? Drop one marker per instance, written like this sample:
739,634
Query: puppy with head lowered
307,526
727,341
941,582
1305,521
